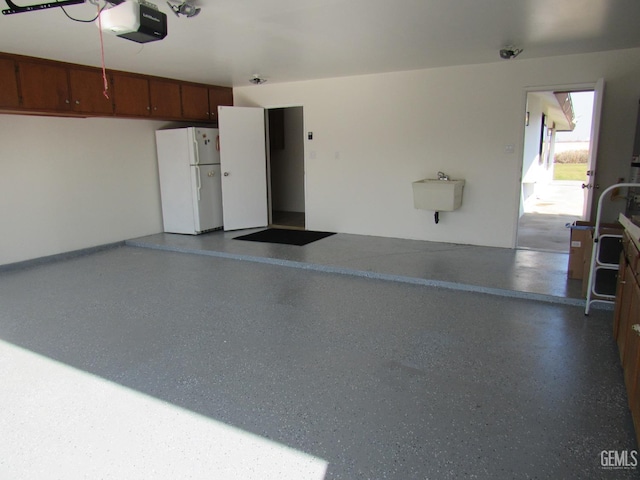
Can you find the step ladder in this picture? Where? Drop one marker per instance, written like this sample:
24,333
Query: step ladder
603,269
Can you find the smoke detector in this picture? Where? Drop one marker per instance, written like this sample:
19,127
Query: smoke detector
257,79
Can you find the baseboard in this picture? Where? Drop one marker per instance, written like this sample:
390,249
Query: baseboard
59,257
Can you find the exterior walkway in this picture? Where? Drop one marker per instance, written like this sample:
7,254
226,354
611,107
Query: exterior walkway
544,223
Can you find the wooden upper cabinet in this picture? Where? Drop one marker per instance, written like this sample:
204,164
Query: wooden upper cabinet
8,79
45,86
87,92
131,95
165,99
219,96
39,86
195,102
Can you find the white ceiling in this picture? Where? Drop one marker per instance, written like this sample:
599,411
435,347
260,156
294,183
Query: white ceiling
288,40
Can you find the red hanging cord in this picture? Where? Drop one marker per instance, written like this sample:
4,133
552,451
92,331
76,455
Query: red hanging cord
104,71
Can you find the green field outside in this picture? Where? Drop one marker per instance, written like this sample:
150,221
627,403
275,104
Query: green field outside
570,171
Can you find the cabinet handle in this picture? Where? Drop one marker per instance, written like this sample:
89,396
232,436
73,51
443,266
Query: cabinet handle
67,101
77,102
636,328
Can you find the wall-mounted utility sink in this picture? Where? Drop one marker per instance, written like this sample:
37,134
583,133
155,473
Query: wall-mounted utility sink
437,195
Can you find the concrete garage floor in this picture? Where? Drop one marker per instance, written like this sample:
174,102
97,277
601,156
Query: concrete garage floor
500,271
139,363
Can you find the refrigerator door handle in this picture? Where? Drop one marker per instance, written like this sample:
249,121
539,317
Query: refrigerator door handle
198,182
196,151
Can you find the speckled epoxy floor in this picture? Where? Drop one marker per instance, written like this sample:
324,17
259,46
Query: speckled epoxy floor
501,271
137,363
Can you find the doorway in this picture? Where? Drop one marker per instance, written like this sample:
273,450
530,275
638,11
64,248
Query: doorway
286,168
557,150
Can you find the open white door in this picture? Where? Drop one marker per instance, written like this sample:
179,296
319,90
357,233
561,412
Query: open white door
590,185
244,167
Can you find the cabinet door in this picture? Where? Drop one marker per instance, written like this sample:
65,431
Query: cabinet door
219,96
195,102
87,92
626,320
45,87
632,363
165,99
9,81
619,294
131,95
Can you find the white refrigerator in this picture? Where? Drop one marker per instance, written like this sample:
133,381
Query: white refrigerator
190,185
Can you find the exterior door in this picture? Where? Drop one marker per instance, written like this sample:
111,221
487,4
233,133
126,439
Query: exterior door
590,185
244,167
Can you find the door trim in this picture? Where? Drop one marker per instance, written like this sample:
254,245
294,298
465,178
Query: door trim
304,165
571,87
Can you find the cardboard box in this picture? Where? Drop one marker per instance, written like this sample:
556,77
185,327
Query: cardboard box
580,239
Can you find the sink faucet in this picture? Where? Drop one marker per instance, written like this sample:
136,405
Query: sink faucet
442,176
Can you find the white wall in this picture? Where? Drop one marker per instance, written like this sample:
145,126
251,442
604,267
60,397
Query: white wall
67,184
375,134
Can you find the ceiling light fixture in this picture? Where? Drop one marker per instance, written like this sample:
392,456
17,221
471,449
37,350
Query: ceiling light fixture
510,52
186,8
257,79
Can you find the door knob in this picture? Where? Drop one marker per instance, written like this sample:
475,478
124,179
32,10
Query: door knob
226,174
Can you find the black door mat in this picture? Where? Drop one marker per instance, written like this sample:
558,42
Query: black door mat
285,236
